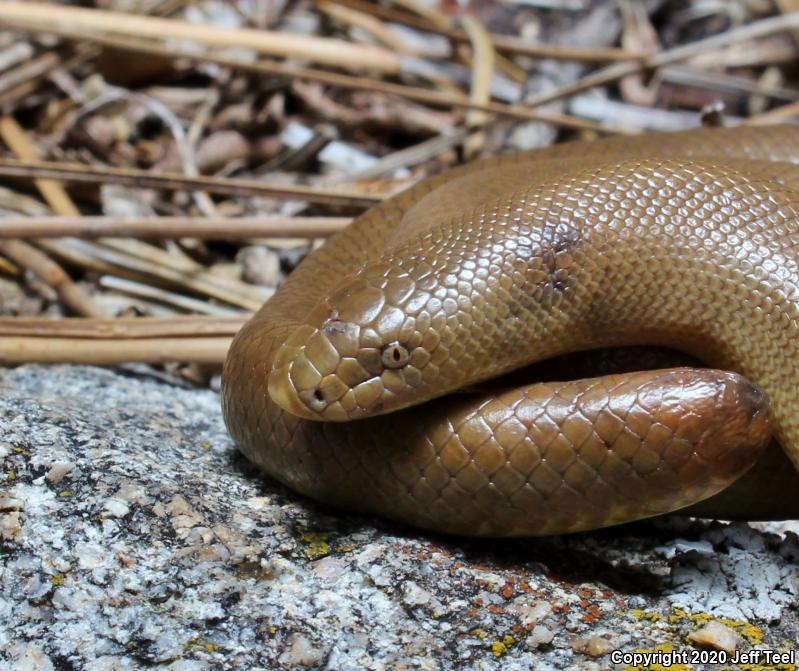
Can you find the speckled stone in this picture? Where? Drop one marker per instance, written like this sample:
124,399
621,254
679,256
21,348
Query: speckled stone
133,535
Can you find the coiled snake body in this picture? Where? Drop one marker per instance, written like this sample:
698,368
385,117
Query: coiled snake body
343,385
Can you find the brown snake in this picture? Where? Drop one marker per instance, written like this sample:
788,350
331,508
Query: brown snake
688,240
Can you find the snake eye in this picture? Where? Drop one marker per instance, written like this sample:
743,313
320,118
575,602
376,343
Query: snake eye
394,355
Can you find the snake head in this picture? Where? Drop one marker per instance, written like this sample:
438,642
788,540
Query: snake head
452,308
373,346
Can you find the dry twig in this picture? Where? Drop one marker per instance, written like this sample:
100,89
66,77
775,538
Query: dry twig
480,92
147,179
417,94
218,228
307,47
505,43
132,328
612,73
25,256
112,351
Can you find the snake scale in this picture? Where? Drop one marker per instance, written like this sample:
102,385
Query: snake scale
379,377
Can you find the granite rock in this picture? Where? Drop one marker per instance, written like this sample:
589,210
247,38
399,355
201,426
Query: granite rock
133,535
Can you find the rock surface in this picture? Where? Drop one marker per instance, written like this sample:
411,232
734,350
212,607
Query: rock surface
133,535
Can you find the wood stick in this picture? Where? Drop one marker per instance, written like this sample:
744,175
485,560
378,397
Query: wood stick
284,44
132,328
334,9
161,297
366,22
139,252
218,228
146,179
506,43
19,143
480,90
75,298
133,251
83,52
26,79
8,268
611,73
786,7
115,262
414,154
719,81
773,116
208,350
26,256
438,18
30,70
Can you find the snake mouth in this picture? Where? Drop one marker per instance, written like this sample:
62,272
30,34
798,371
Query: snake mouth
295,383
284,394
298,388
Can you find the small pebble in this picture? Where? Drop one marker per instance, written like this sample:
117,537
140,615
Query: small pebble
717,636
593,646
301,651
11,527
58,471
115,508
529,612
329,568
540,636
414,595
259,265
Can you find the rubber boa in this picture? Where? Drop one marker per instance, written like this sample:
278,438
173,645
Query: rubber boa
365,381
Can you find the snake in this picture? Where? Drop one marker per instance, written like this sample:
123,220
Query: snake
394,372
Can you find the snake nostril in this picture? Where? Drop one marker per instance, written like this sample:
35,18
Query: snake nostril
394,355
317,399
